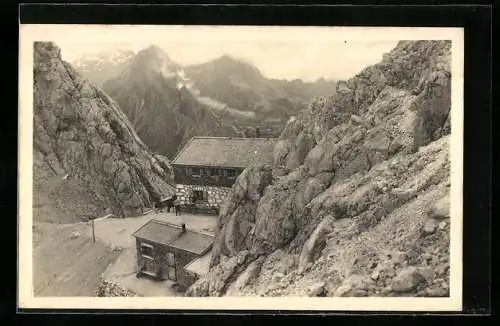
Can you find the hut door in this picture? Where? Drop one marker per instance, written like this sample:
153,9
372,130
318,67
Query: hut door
169,268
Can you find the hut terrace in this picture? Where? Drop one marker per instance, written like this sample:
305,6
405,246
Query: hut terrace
207,167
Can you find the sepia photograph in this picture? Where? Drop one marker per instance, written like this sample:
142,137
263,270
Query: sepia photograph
240,167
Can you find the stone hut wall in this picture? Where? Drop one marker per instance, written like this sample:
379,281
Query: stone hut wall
216,195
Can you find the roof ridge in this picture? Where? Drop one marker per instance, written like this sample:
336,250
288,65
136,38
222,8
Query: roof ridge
200,232
154,220
165,223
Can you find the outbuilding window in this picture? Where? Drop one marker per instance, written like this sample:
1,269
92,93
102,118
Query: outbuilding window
147,250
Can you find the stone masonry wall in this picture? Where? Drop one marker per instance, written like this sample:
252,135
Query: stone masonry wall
216,195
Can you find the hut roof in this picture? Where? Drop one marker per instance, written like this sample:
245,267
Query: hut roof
226,152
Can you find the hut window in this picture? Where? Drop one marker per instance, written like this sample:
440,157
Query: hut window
196,171
231,173
225,172
189,171
146,250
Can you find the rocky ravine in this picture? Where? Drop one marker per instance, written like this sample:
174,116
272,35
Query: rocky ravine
88,159
357,201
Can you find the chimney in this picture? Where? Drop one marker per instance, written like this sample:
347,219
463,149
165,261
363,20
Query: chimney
183,225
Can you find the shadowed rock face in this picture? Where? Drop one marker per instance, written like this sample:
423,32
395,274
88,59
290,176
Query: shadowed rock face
88,159
369,160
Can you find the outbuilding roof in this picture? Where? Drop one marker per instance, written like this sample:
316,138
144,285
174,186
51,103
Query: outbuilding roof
194,242
226,152
172,235
158,232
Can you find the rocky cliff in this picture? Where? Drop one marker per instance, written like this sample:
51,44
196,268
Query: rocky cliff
88,160
357,201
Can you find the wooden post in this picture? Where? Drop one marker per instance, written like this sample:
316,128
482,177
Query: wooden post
93,232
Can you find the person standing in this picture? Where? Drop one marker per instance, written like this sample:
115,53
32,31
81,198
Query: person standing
257,132
177,206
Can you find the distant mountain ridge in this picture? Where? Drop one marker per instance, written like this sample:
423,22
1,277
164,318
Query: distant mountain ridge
224,82
103,66
240,84
161,102
168,103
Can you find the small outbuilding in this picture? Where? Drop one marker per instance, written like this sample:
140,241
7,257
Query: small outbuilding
165,249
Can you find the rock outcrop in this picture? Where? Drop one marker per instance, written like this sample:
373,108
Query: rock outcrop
88,160
368,162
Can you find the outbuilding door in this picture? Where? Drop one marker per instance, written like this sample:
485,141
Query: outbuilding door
168,270
149,266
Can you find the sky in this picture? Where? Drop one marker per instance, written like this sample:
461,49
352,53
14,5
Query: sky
289,52
283,60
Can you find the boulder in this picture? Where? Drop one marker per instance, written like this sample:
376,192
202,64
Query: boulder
354,285
429,227
316,290
407,280
436,292
441,209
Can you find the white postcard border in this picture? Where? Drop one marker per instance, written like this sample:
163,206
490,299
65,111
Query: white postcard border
31,33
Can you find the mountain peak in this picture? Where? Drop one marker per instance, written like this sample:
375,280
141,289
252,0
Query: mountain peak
154,58
229,64
154,50
228,59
